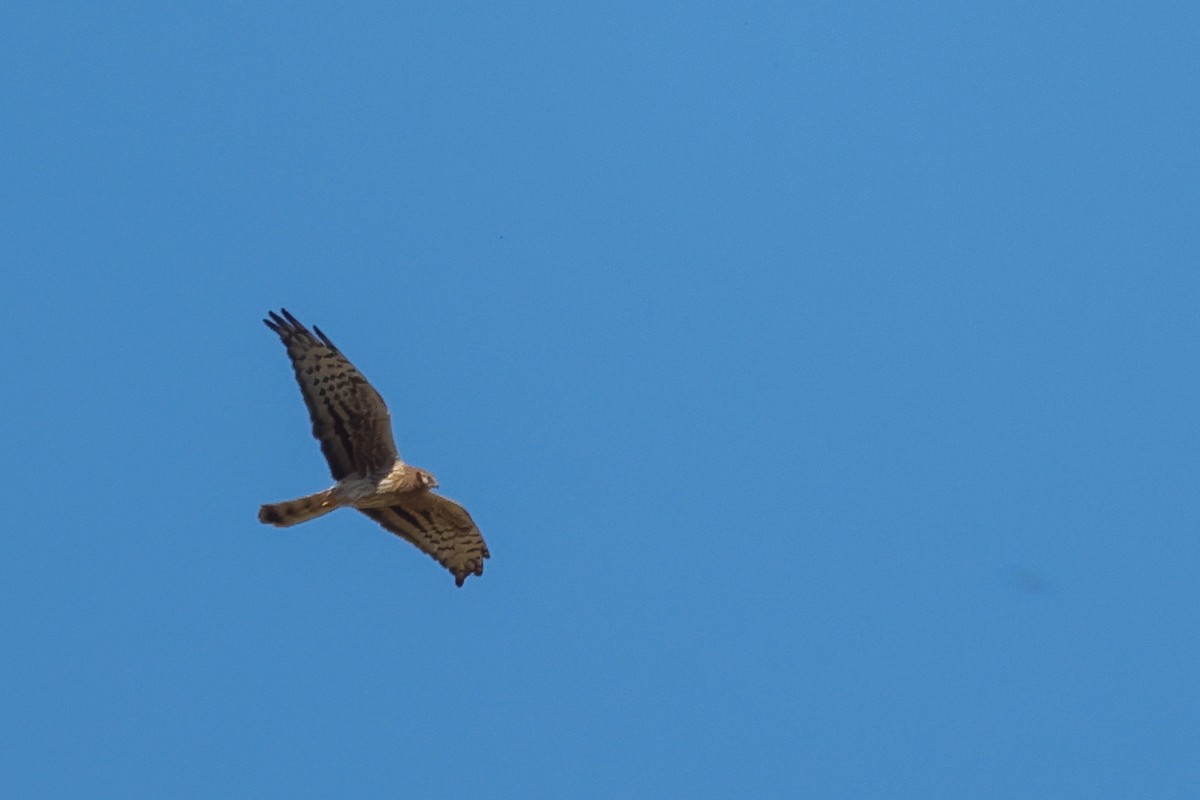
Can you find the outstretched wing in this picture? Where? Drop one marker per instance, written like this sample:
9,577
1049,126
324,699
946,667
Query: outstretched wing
349,418
438,526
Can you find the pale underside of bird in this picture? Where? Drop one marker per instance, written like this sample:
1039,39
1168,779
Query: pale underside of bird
353,425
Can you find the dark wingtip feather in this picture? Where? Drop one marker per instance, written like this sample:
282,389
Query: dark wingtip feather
276,323
325,339
288,327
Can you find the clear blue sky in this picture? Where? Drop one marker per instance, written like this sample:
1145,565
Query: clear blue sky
823,377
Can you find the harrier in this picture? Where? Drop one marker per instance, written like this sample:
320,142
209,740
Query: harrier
352,423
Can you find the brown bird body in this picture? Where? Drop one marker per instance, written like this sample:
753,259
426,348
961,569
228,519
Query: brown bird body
353,425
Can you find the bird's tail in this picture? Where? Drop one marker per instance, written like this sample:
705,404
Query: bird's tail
293,512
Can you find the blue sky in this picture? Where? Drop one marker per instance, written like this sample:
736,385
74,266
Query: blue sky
823,377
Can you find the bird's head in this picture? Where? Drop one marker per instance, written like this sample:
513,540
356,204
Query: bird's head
425,479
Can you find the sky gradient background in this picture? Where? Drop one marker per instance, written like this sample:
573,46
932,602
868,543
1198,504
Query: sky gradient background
822,376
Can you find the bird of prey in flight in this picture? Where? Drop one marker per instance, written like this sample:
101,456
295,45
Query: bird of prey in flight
352,423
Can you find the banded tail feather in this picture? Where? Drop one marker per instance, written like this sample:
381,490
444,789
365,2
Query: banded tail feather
293,512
